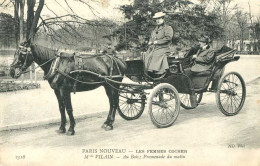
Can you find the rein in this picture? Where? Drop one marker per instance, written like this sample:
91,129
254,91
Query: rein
68,76
23,72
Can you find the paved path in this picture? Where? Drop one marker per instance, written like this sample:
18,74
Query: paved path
205,133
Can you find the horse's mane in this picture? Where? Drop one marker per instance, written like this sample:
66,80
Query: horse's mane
44,53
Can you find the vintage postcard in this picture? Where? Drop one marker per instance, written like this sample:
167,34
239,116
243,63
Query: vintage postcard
129,82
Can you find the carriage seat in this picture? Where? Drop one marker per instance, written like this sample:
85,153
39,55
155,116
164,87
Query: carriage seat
205,69
202,73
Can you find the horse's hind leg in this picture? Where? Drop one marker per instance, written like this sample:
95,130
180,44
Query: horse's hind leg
67,102
113,101
62,128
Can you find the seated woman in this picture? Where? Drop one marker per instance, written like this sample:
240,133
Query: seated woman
155,59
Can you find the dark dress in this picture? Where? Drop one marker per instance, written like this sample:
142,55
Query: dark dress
155,59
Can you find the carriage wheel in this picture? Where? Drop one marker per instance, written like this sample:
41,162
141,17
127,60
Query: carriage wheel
131,105
164,105
185,100
231,93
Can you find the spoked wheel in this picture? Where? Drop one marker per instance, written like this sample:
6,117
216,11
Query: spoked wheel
131,105
185,100
231,93
164,105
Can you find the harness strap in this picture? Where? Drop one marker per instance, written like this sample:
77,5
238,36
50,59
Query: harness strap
114,60
68,76
112,64
52,70
75,84
23,72
118,69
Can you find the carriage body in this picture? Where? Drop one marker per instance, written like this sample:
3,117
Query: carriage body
176,75
184,86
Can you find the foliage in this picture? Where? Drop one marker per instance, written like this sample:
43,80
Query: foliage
189,20
257,31
6,30
76,36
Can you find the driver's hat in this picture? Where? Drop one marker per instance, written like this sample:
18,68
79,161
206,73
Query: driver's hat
159,15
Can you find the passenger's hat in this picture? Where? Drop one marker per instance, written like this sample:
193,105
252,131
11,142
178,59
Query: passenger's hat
204,39
159,15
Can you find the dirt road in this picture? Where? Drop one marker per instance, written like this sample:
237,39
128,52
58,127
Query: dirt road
204,134
204,126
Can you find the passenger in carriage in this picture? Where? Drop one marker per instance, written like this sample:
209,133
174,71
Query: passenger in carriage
203,62
204,57
155,59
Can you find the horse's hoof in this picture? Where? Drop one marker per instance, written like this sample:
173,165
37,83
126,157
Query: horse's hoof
61,131
108,127
70,132
104,126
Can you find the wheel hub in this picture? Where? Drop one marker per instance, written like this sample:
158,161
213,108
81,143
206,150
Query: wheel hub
229,92
163,105
130,101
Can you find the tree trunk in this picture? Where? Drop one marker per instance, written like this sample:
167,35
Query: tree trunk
33,28
21,20
242,40
30,16
16,24
253,28
224,22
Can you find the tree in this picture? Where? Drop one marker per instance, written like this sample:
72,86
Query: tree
252,28
241,18
6,30
27,29
257,32
224,10
188,20
23,32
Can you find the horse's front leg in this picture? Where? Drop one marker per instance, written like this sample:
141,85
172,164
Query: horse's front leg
62,128
68,105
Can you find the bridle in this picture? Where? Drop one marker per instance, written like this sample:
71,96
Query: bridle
27,52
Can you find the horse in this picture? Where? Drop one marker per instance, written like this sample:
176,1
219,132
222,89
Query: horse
63,83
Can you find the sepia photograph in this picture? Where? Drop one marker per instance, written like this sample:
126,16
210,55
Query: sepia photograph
129,82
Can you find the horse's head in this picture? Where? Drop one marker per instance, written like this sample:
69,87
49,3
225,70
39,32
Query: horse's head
23,58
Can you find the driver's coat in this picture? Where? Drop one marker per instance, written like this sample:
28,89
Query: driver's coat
155,58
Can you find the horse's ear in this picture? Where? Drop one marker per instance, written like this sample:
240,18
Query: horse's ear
26,43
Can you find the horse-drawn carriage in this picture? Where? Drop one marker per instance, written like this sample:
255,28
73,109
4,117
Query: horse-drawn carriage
164,95
174,89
